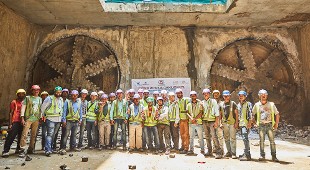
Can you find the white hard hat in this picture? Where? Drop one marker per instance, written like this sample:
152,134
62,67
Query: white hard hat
104,96
178,90
146,91
94,94
163,92
262,91
84,91
193,93
140,91
216,91
155,92
119,91
206,91
100,92
171,94
160,98
136,96
131,91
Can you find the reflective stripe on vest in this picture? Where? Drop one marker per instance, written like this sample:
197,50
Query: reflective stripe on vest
119,114
172,112
272,113
150,120
183,106
54,110
137,118
207,113
71,114
244,112
91,115
106,118
194,112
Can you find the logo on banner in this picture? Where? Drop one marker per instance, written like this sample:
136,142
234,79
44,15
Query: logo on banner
161,82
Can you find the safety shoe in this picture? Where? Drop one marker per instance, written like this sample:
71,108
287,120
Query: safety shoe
160,151
245,158
190,152
228,155
5,154
76,149
261,158
22,155
141,150
48,154
234,157
130,150
181,149
18,151
208,154
62,152
275,159
183,152
218,156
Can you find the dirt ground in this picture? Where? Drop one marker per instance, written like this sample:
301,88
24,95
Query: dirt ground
291,156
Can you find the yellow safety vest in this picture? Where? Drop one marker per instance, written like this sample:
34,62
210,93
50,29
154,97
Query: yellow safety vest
91,115
164,121
29,108
230,120
119,114
207,111
172,111
194,111
71,114
101,116
182,107
138,117
53,110
272,113
150,120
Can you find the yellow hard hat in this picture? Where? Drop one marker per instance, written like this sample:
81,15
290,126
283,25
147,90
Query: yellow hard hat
44,92
20,91
4,132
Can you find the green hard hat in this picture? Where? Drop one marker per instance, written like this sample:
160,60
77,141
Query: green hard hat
58,88
150,99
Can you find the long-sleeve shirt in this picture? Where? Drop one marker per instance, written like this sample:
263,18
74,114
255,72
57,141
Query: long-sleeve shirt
163,113
120,106
46,105
75,106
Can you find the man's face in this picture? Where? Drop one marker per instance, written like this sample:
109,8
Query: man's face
164,95
104,100
21,96
193,97
206,96
140,94
112,98
57,93
146,95
160,102
83,95
171,98
263,97
119,95
43,96
241,97
155,95
131,94
93,97
35,92
150,104
64,94
179,95
136,101
74,96
226,98
216,95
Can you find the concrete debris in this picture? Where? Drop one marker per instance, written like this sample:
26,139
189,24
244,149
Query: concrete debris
7,167
171,156
84,159
23,164
63,167
70,154
132,167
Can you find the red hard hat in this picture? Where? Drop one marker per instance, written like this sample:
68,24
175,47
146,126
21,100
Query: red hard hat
35,87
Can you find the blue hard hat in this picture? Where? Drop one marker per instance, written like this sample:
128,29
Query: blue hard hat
226,93
242,93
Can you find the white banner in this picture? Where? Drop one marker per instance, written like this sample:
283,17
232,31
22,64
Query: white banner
158,84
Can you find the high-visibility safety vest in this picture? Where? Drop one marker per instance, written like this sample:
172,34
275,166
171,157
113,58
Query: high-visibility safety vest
91,107
194,111
258,113
54,110
230,120
71,114
150,117
101,116
29,108
244,112
182,107
165,120
119,114
172,111
138,117
143,102
208,114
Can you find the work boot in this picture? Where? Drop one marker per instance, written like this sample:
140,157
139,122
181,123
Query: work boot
160,151
275,159
209,153
228,155
181,149
76,149
234,157
48,154
190,152
218,156
261,158
22,155
245,158
183,152
5,154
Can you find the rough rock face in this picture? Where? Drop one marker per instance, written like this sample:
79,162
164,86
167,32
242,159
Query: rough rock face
219,58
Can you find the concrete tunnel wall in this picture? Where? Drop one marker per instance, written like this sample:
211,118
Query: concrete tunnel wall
142,52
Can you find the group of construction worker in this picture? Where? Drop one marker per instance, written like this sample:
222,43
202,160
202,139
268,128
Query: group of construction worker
154,122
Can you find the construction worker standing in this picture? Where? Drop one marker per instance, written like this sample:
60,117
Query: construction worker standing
84,102
30,115
118,116
71,118
135,115
163,126
103,119
230,124
210,121
163,94
15,125
218,131
91,120
195,111
184,127
245,121
43,95
174,118
52,108
267,119
150,129
112,97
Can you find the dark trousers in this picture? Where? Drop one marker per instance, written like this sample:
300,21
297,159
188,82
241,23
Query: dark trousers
121,123
91,136
111,135
175,135
43,134
56,132
16,130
